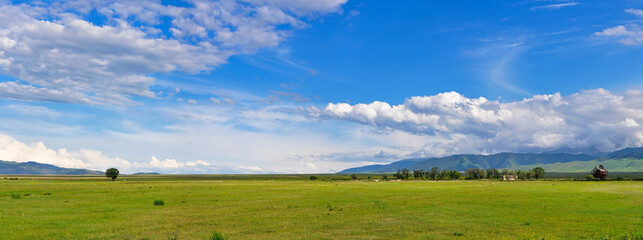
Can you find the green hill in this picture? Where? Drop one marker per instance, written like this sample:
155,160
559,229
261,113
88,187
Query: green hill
612,165
626,160
34,168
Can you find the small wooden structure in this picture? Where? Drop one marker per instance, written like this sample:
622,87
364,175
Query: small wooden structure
599,172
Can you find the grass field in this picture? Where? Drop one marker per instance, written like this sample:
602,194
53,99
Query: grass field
293,208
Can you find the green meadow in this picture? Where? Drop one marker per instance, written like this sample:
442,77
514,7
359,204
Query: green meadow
291,207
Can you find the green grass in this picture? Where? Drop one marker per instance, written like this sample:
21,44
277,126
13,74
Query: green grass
197,208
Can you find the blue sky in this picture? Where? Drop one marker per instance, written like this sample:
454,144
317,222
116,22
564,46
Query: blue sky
259,86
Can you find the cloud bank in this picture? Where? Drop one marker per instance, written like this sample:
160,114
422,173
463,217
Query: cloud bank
103,52
594,119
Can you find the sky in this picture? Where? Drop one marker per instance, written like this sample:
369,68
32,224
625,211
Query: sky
297,86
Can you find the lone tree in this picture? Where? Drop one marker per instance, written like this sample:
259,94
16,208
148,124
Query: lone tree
354,176
112,173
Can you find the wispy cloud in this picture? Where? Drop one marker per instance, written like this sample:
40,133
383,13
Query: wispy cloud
554,6
497,57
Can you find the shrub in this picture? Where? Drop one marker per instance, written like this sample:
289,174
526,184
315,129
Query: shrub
384,177
159,203
354,176
15,196
218,236
313,178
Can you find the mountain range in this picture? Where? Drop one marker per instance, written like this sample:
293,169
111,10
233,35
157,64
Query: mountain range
626,160
34,168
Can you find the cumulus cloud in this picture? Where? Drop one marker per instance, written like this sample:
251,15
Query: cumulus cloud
590,119
13,150
56,53
173,163
630,34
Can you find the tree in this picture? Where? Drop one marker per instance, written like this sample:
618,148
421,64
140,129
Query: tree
529,174
313,178
538,172
406,173
398,174
481,173
354,176
469,173
453,174
433,173
418,174
505,172
493,173
444,174
112,173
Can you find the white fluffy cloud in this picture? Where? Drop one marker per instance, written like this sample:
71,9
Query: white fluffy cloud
17,151
591,119
57,52
630,34
14,150
173,163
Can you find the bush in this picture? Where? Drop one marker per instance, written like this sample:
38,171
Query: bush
218,236
159,203
15,196
313,178
354,176
385,178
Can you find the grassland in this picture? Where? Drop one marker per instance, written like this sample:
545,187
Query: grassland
289,207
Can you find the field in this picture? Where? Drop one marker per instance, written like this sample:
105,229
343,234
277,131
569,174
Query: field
291,207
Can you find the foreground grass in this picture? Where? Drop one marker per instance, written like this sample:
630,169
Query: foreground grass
299,209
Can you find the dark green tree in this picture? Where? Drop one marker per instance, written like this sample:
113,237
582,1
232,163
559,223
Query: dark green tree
433,173
505,172
406,174
354,176
112,173
418,174
453,174
538,172
529,174
398,174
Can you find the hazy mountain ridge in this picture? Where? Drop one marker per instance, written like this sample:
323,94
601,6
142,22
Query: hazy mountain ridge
627,160
34,168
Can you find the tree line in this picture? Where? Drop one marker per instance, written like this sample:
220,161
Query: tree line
470,173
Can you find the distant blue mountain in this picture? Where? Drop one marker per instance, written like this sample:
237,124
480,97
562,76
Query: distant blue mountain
34,168
461,162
